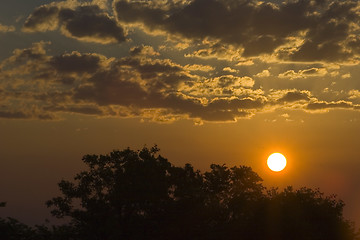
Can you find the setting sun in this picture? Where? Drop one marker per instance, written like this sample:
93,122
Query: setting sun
276,162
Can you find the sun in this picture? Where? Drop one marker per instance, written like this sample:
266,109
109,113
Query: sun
276,162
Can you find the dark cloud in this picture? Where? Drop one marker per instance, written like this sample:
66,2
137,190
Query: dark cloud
89,23
131,81
328,105
294,96
13,115
54,97
86,23
257,27
88,110
67,80
111,92
143,51
234,104
25,114
260,45
151,84
225,109
217,110
158,73
76,62
330,51
42,19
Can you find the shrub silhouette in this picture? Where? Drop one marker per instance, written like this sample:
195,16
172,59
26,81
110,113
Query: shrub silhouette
140,195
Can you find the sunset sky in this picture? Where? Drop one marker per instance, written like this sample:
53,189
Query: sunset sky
208,81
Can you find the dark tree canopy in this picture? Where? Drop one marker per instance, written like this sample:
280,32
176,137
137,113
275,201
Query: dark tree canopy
140,195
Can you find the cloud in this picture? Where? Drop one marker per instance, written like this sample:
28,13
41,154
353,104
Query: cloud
300,30
143,51
294,96
229,69
199,67
5,29
264,73
354,94
227,80
13,115
221,86
44,18
215,49
323,105
28,112
135,86
311,72
36,52
82,109
37,85
85,22
77,62
347,75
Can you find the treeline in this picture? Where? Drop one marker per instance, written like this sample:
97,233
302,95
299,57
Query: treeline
140,195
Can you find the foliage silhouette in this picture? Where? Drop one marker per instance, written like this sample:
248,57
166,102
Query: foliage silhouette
140,195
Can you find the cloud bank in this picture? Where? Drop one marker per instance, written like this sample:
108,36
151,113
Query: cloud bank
302,30
35,84
205,60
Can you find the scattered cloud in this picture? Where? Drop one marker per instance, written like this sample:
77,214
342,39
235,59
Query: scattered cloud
37,85
229,69
5,29
247,62
347,75
311,72
143,51
285,115
198,67
264,73
354,94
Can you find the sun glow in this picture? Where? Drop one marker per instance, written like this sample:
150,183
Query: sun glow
276,162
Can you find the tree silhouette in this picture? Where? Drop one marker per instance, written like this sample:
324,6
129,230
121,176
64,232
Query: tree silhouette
126,194
140,195
306,214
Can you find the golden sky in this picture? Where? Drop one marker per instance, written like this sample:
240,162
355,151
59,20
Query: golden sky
209,81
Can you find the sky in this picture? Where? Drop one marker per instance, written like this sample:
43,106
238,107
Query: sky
208,81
